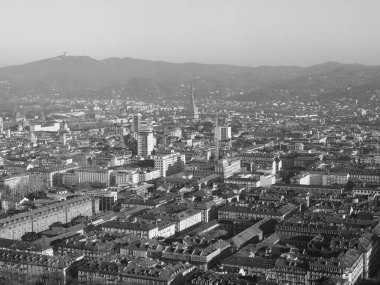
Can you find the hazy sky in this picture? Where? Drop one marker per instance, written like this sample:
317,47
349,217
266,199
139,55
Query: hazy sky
241,32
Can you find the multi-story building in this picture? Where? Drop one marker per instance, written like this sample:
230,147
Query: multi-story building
14,227
367,176
49,176
106,198
225,167
198,256
70,179
261,162
15,182
170,164
149,174
26,266
113,273
349,267
223,133
127,176
264,210
252,180
134,176
145,143
320,178
143,230
173,132
136,123
94,175
182,219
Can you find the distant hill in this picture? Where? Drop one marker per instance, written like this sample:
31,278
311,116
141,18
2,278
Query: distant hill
72,76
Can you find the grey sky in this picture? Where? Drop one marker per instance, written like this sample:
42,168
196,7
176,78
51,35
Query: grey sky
241,32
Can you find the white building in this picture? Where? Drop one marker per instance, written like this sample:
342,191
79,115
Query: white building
127,176
145,143
94,175
223,133
170,164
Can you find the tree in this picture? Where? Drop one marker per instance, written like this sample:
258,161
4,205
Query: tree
131,143
30,236
36,195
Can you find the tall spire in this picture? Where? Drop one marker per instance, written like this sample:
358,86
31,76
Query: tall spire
193,109
216,139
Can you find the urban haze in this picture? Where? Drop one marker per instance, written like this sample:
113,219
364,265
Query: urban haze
181,142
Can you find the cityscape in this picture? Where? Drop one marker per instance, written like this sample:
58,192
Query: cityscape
124,171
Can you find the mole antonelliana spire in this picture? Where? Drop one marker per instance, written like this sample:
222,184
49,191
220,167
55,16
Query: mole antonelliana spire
193,109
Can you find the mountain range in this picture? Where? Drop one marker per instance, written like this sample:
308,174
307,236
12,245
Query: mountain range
73,76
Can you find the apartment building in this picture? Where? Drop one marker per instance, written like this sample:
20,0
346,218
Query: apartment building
25,265
223,133
143,230
49,176
14,227
224,167
320,178
94,175
264,210
15,181
145,143
170,164
113,273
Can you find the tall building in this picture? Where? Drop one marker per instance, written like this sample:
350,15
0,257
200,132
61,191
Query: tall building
1,125
223,133
170,164
136,123
192,109
145,143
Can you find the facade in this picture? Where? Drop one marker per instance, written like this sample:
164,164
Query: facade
170,164
193,255
15,182
261,162
145,143
112,273
70,179
142,230
223,133
321,178
41,268
14,227
136,123
278,212
106,198
150,174
349,267
225,167
252,180
134,176
94,175
49,176
182,220
127,176
367,176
